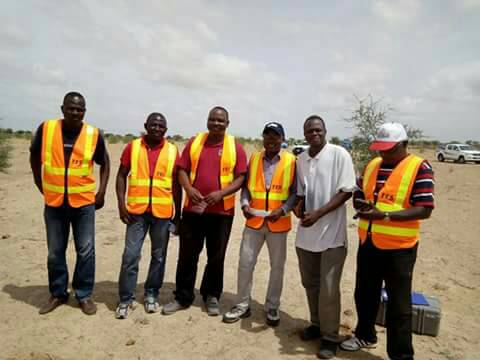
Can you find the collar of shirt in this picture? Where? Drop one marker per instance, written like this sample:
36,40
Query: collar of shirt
156,147
317,156
272,161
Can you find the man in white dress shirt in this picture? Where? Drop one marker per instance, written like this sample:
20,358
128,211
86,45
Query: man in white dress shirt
326,179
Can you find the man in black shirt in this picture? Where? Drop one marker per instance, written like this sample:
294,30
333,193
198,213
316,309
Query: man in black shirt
65,150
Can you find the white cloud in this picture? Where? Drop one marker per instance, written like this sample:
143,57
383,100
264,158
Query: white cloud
338,89
396,12
261,62
453,84
469,4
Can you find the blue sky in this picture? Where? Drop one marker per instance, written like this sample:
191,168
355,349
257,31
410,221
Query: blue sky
262,60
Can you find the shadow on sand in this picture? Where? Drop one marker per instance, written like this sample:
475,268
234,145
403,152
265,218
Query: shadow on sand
288,331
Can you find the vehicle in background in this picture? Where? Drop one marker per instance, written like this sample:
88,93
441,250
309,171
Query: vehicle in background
299,148
347,144
460,153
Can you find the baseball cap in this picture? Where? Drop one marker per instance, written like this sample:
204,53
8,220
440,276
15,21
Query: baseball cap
389,135
276,127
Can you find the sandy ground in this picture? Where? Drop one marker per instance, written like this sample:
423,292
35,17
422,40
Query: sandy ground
447,267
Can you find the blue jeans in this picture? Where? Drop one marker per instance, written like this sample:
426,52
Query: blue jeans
58,221
136,232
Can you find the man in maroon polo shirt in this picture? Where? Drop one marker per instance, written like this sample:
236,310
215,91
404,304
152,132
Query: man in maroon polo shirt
141,214
208,213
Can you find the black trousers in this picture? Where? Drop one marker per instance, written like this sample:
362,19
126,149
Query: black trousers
195,230
395,268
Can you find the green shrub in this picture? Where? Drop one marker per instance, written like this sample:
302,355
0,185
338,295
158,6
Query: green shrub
5,149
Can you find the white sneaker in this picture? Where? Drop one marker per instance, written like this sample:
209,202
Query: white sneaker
213,308
355,344
172,307
236,313
151,305
272,317
122,311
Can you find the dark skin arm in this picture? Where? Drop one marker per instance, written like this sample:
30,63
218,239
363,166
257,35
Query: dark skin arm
336,201
368,211
121,187
193,194
216,196
177,199
298,209
102,189
36,166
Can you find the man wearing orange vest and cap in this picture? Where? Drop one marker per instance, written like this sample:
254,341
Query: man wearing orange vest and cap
65,150
153,193
212,168
267,198
396,192
326,180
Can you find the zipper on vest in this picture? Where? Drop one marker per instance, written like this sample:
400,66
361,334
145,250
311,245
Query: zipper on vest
266,199
150,194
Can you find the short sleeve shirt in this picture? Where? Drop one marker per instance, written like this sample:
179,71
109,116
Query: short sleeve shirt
319,179
69,138
207,179
152,154
422,191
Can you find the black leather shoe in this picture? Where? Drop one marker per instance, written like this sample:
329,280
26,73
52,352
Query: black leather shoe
328,350
310,333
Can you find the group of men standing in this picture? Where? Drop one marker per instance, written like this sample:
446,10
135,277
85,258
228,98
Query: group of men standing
393,194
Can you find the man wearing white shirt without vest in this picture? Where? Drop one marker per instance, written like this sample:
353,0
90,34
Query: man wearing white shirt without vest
326,179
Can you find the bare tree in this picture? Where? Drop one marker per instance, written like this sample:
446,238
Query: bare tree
369,115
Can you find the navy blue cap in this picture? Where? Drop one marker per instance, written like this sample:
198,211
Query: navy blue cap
276,127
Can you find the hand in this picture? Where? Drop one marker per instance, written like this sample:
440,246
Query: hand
362,204
247,212
99,200
371,214
176,222
298,209
125,216
310,218
213,198
274,215
194,195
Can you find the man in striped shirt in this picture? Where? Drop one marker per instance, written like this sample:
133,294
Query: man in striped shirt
395,193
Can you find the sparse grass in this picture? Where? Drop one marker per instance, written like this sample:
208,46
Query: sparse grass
5,149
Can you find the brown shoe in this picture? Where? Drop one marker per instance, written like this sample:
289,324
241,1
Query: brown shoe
51,305
88,306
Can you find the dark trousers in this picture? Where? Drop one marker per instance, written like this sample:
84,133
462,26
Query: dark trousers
395,268
58,221
195,230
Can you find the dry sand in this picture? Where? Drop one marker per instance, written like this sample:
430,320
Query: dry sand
447,267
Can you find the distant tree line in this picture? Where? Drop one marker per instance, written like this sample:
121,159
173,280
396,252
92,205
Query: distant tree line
365,120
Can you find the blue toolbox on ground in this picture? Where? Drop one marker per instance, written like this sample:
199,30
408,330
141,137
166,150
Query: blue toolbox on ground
426,313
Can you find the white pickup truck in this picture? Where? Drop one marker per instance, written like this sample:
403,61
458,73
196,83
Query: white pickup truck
460,153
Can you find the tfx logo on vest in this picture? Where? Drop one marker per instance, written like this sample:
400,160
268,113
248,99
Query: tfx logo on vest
388,197
276,187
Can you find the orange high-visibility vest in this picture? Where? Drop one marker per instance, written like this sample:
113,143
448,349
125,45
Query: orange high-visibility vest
227,164
156,191
394,196
78,177
273,198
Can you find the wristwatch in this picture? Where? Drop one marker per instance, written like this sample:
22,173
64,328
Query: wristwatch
386,216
